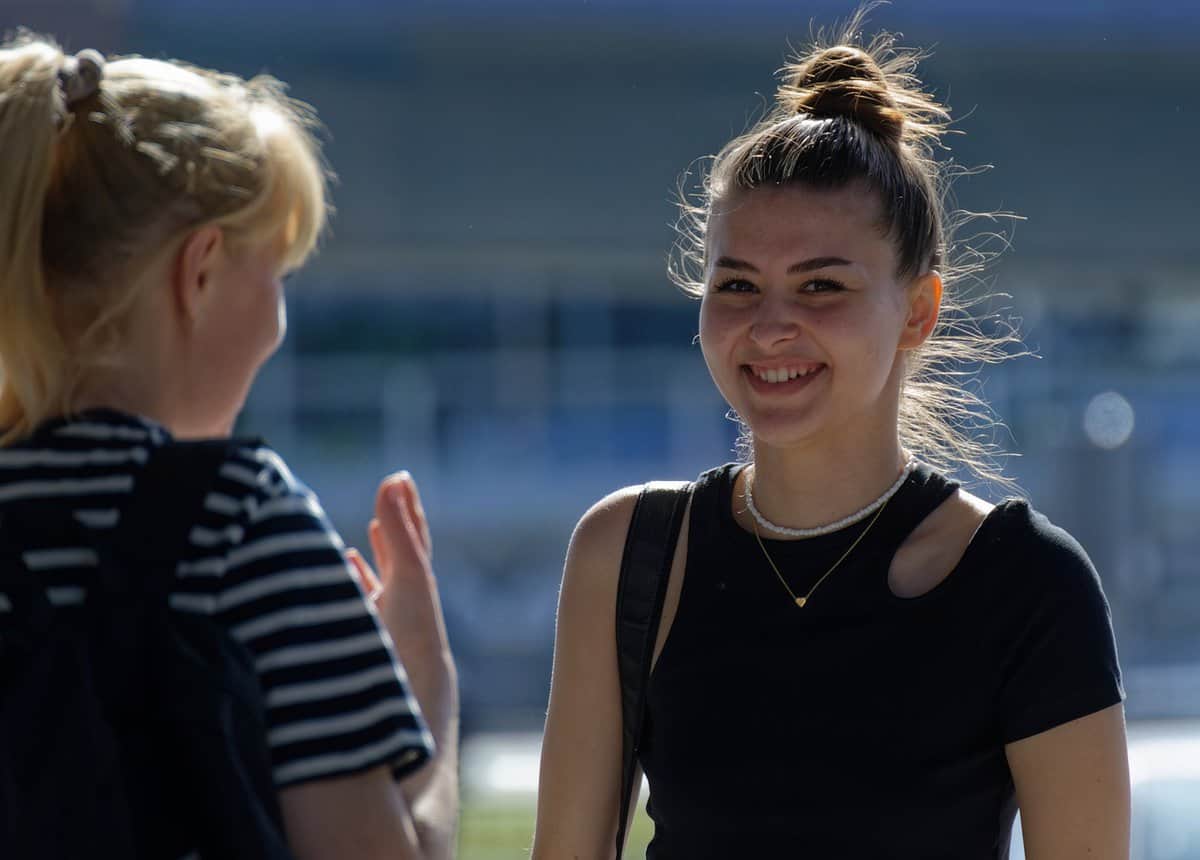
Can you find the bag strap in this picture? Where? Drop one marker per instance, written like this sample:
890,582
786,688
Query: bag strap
641,590
169,494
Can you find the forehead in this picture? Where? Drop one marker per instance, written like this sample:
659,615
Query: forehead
783,224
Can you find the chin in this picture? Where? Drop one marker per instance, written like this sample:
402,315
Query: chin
781,439
779,430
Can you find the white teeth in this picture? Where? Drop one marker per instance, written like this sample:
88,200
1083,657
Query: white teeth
784,374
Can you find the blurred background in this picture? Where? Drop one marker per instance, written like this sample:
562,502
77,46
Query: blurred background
491,310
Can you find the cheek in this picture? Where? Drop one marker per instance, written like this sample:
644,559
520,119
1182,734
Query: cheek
721,323
270,314
715,333
879,353
867,329
281,319
706,332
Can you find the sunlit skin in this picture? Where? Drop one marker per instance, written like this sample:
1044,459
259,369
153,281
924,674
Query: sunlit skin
806,279
210,316
239,327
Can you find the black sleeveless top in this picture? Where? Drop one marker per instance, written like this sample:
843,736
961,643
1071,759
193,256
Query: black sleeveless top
864,724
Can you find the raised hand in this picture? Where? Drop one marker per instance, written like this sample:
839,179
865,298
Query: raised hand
406,596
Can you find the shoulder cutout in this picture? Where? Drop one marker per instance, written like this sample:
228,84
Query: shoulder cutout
935,547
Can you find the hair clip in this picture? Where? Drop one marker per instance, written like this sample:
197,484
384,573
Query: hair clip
80,76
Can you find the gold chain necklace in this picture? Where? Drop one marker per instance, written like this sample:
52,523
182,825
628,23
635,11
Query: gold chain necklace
801,601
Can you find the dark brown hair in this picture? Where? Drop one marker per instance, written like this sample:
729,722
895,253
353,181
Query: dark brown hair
852,112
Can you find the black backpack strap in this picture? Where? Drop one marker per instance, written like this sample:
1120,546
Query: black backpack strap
83,701
155,524
210,704
168,498
641,589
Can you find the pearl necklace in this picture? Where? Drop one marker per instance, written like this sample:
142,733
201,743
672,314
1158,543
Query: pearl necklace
830,528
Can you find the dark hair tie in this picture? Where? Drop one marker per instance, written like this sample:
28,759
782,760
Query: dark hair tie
80,75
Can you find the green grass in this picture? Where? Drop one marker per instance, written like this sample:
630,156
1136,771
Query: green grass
501,828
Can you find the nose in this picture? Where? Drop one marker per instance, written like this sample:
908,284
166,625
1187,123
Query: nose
774,323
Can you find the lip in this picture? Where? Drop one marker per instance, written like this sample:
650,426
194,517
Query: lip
781,388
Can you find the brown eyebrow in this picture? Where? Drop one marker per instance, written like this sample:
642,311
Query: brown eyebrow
794,269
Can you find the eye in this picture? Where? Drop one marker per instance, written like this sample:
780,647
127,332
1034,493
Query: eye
823,285
734,285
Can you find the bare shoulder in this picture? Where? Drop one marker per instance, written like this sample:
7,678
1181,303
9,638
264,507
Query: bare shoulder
971,506
601,531
957,517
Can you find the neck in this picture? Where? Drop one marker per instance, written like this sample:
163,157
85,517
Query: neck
143,389
154,374
809,487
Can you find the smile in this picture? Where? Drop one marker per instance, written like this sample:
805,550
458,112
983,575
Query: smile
787,373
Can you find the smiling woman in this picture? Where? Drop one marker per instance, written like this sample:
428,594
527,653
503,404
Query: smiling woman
853,115
850,656
763,309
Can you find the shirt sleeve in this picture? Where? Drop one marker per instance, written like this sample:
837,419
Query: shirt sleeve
1060,663
337,697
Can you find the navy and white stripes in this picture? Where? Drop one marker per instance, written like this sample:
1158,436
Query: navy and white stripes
264,562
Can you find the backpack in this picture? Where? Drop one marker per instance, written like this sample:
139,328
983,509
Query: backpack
128,729
641,590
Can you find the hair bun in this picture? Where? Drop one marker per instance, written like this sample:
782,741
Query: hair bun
843,81
80,76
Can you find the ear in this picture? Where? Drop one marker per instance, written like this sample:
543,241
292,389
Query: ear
196,265
924,304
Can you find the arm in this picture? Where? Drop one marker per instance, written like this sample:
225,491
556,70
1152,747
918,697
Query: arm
581,750
1072,785
412,612
369,814
1060,693
363,816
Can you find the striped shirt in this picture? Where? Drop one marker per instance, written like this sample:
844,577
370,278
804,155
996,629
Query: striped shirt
264,561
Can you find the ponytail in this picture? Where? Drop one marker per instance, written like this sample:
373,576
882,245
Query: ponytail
32,352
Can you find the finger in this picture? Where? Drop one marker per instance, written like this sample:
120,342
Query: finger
366,575
404,547
379,550
402,500
367,579
355,570
412,498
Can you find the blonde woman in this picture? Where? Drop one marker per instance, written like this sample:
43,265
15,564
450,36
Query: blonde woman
856,657
149,211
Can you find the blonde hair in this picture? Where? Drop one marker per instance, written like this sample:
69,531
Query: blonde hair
92,192
854,112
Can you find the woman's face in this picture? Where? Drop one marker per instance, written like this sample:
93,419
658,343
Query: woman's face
803,320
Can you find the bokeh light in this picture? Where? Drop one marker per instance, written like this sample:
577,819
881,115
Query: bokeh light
1108,420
